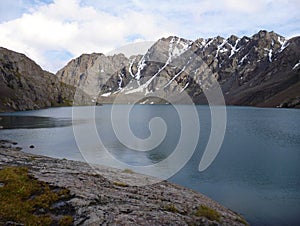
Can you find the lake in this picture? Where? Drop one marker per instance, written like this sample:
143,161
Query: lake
256,172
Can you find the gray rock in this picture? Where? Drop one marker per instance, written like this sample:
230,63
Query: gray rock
101,199
256,71
24,85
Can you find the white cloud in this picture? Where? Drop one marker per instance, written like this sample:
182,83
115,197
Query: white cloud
66,25
52,33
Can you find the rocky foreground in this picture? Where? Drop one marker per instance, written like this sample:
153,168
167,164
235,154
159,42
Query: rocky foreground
105,199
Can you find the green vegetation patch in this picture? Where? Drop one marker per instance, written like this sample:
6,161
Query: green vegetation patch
120,184
171,208
241,220
209,213
129,171
25,200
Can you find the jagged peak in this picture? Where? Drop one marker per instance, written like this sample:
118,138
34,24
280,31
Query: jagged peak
219,38
264,34
90,55
16,56
275,34
173,39
232,39
173,46
94,55
8,51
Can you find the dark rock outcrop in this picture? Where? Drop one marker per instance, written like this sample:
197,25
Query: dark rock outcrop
24,85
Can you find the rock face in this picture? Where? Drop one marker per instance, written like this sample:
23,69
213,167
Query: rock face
24,85
101,199
262,70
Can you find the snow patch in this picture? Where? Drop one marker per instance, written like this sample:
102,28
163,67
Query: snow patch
121,80
144,102
182,70
147,91
186,85
281,40
296,65
270,55
221,49
141,66
208,43
170,57
106,94
184,47
244,58
137,90
176,48
233,48
284,45
130,68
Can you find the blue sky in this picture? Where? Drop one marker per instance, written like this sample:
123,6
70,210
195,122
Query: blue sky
52,32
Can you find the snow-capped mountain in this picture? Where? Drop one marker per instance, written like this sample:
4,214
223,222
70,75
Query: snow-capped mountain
262,70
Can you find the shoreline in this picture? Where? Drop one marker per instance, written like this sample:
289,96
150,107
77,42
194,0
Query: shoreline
2,111
105,198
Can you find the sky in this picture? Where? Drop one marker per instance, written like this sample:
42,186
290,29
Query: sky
52,32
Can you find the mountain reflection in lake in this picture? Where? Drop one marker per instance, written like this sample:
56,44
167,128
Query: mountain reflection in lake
256,173
32,122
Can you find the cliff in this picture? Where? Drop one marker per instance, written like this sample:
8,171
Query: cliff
24,85
262,70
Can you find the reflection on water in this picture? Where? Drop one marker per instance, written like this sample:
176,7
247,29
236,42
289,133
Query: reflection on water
32,122
139,124
256,173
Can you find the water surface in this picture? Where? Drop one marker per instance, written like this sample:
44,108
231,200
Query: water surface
256,173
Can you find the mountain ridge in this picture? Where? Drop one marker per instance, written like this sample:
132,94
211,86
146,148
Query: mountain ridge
24,85
262,70
250,70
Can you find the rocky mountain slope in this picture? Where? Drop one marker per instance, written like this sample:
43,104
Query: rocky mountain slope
262,70
24,85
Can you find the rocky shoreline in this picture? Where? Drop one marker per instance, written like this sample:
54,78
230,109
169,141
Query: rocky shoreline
104,199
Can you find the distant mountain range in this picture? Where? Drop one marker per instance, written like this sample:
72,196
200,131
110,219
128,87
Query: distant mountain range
262,70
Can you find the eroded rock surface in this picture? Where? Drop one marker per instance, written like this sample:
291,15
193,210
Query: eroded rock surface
261,70
103,199
24,85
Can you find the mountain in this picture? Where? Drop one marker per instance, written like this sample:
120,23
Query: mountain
24,85
262,70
